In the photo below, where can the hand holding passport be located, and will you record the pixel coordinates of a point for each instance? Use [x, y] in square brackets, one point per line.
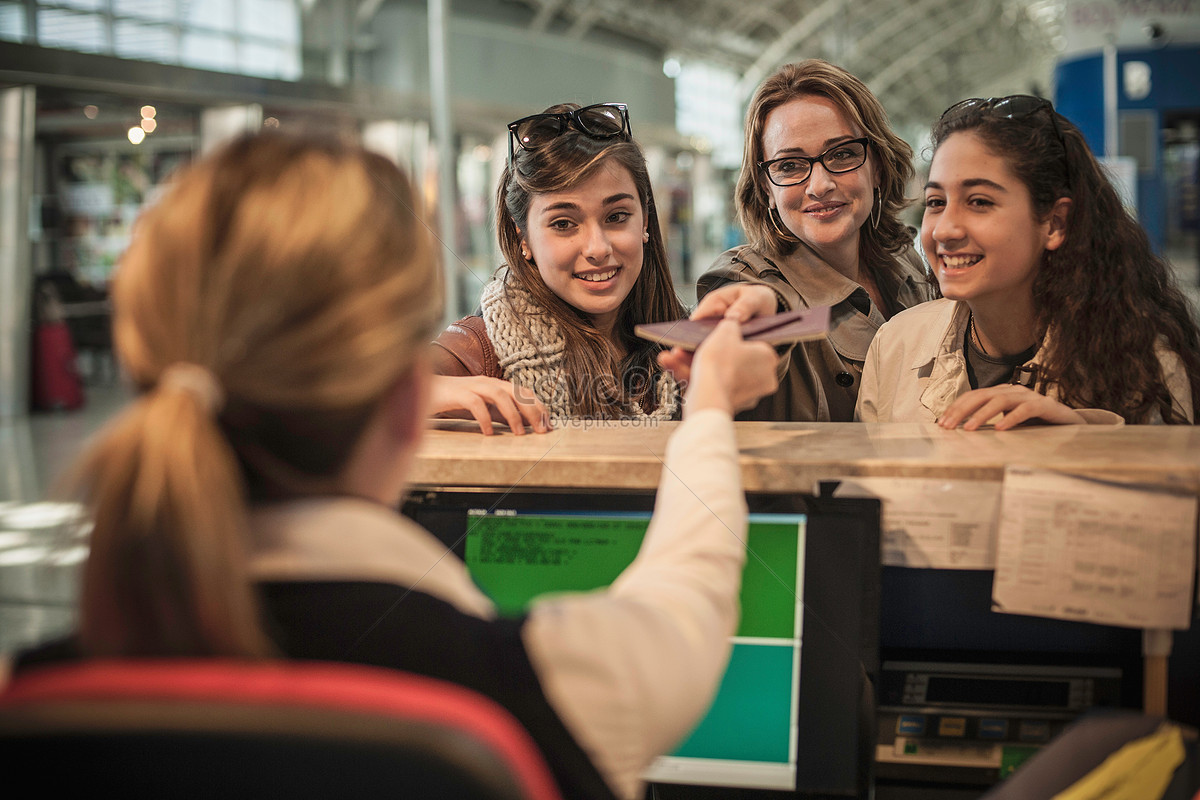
[776, 329]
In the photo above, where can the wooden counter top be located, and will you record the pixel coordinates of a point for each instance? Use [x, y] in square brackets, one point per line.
[793, 456]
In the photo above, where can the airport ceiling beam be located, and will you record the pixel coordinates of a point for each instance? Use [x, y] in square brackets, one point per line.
[740, 17]
[909, 66]
[584, 20]
[544, 15]
[892, 25]
[778, 50]
[366, 12]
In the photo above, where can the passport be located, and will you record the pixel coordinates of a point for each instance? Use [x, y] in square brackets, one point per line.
[777, 329]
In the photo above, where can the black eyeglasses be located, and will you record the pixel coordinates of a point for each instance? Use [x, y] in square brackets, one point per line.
[845, 156]
[599, 121]
[1015, 106]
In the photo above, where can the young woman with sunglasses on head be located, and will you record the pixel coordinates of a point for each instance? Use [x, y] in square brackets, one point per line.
[1055, 306]
[585, 263]
[823, 179]
[275, 310]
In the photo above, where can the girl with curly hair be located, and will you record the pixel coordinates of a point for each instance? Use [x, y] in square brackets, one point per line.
[1055, 307]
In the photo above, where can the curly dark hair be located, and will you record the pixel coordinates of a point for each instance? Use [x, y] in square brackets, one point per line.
[1104, 300]
[565, 162]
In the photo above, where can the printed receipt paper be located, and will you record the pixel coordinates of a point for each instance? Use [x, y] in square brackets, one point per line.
[1077, 548]
[944, 524]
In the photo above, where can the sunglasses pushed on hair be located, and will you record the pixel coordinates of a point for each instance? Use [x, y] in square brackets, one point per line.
[600, 121]
[1015, 106]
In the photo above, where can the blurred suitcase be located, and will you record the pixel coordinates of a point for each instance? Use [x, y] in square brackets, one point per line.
[56, 381]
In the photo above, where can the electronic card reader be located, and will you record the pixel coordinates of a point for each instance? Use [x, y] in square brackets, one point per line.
[975, 723]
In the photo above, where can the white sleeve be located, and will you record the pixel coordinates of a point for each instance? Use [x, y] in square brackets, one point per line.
[1099, 416]
[631, 669]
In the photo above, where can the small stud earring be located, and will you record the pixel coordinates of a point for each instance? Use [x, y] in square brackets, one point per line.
[524, 254]
[645, 236]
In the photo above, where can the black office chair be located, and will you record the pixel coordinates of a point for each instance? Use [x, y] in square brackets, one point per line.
[214, 728]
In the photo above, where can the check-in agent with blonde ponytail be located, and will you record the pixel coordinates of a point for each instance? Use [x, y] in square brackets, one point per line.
[274, 312]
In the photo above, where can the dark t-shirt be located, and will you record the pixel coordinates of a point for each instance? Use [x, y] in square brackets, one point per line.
[985, 370]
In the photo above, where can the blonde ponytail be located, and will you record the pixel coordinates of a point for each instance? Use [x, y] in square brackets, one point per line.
[265, 307]
[167, 571]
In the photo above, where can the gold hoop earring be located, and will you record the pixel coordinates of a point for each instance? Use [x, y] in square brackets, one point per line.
[876, 209]
[780, 229]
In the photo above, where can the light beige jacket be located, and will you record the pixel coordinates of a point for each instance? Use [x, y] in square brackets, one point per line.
[915, 369]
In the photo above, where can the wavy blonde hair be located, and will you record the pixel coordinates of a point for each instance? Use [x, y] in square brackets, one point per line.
[298, 274]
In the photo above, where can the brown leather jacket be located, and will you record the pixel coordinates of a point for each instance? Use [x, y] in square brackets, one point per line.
[465, 349]
[821, 378]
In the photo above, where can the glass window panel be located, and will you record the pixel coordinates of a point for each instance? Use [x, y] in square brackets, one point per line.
[72, 31]
[264, 60]
[270, 19]
[83, 5]
[12, 22]
[706, 106]
[289, 64]
[162, 10]
[208, 51]
[145, 42]
[217, 15]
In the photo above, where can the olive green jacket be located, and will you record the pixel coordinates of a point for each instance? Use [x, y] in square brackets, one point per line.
[821, 378]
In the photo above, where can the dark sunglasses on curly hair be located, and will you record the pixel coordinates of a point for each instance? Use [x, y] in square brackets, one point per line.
[599, 121]
[1015, 106]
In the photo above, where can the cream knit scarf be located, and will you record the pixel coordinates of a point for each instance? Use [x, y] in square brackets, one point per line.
[529, 346]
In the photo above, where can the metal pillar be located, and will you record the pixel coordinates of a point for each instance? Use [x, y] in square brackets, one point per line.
[1111, 127]
[18, 105]
[443, 134]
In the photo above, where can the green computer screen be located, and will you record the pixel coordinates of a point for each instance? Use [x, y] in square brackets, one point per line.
[748, 737]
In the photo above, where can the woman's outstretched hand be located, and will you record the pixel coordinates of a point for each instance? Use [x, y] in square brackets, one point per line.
[737, 301]
[1017, 403]
[726, 372]
[488, 400]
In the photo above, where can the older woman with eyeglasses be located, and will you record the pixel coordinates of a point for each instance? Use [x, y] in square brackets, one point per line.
[823, 179]
[1055, 308]
[585, 263]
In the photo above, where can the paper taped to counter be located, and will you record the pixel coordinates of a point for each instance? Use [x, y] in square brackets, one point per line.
[1078, 548]
[945, 524]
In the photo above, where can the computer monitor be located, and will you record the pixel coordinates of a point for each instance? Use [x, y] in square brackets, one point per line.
[795, 709]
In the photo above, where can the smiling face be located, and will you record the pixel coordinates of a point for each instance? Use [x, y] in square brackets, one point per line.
[827, 210]
[980, 231]
[587, 242]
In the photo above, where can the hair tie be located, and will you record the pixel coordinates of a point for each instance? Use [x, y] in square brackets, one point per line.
[197, 381]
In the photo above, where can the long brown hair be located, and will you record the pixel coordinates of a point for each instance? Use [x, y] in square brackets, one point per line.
[890, 154]
[1104, 298]
[298, 275]
[601, 387]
